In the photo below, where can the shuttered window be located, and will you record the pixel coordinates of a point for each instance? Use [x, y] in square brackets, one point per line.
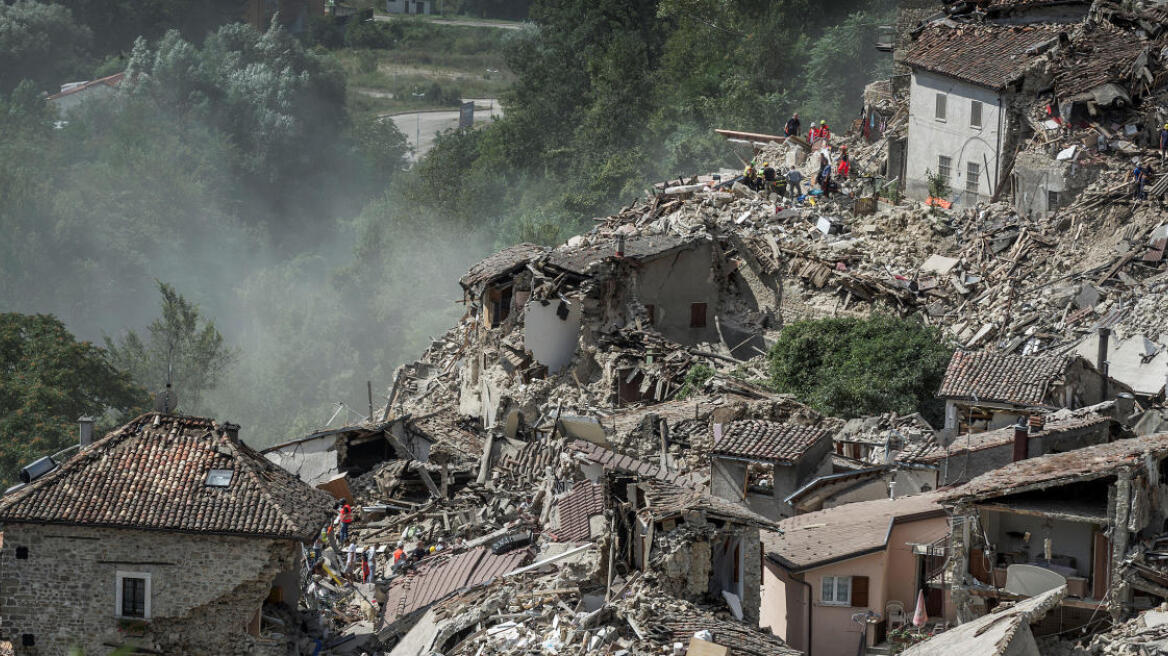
[697, 315]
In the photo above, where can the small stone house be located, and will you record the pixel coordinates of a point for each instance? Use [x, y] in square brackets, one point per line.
[758, 464]
[169, 532]
[984, 391]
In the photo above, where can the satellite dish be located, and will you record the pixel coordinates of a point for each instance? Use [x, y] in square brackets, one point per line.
[166, 400]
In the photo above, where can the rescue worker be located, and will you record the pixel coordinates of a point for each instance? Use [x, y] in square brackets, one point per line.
[346, 517]
[768, 175]
[795, 182]
[793, 124]
[823, 179]
[399, 554]
[824, 131]
[1140, 175]
[813, 133]
[1163, 141]
[845, 166]
[750, 176]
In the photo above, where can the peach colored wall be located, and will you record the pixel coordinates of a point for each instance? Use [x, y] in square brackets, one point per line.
[891, 575]
[902, 564]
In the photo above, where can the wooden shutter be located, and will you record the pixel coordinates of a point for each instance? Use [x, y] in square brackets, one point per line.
[859, 590]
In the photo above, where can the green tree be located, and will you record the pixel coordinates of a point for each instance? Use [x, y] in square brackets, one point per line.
[180, 346]
[41, 43]
[856, 367]
[50, 380]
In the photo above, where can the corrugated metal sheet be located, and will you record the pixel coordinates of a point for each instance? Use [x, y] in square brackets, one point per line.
[440, 576]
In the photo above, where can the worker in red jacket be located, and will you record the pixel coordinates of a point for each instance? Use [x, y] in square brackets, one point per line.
[845, 165]
[824, 131]
[346, 517]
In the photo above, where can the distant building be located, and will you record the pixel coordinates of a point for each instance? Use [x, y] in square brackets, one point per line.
[410, 6]
[74, 93]
[293, 14]
[169, 532]
[757, 464]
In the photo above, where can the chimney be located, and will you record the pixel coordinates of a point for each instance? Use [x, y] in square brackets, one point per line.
[620, 245]
[1021, 440]
[1125, 405]
[232, 430]
[1101, 356]
[86, 430]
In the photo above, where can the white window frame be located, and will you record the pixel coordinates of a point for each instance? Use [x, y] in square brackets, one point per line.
[118, 578]
[980, 107]
[972, 182]
[941, 107]
[947, 172]
[835, 581]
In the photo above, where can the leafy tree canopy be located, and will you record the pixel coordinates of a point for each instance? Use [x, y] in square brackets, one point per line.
[181, 346]
[48, 381]
[41, 43]
[856, 367]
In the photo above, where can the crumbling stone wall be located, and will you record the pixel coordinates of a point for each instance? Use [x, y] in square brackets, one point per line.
[203, 589]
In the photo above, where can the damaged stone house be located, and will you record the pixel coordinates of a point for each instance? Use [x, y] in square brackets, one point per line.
[757, 464]
[1092, 519]
[696, 546]
[824, 567]
[984, 391]
[972, 454]
[169, 533]
[889, 481]
[1008, 630]
[965, 80]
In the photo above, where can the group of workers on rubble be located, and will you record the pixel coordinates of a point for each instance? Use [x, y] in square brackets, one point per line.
[789, 184]
[361, 564]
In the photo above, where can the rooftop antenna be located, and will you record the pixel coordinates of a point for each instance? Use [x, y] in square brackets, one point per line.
[166, 401]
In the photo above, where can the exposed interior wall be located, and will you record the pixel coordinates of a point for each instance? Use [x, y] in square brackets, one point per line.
[313, 461]
[1086, 384]
[672, 283]
[552, 333]
[954, 137]
[1067, 538]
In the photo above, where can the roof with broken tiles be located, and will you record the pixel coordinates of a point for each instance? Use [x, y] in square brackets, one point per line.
[501, 263]
[929, 452]
[441, 575]
[665, 500]
[1076, 466]
[985, 377]
[580, 259]
[768, 440]
[826, 536]
[985, 55]
[576, 508]
[1105, 54]
[153, 474]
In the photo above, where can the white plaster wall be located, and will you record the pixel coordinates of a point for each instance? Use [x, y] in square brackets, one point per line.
[929, 138]
[550, 339]
[313, 461]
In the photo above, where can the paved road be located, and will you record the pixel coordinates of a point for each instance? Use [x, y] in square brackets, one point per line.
[421, 127]
[467, 22]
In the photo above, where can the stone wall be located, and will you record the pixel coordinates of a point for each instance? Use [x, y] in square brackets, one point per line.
[203, 589]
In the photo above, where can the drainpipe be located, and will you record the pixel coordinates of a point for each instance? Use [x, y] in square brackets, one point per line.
[998, 154]
[809, 607]
[1101, 359]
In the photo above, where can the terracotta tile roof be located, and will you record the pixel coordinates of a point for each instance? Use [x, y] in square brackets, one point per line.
[999, 378]
[77, 87]
[665, 500]
[445, 429]
[638, 247]
[151, 474]
[503, 262]
[988, 56]
[768, 440]
[531, 460]
[439, 576]
[931, 453]
[1107, 54]
[576, 508]
[1076, 466]
[826, 536]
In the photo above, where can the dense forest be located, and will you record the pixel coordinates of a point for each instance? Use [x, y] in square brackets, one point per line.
[226, 192]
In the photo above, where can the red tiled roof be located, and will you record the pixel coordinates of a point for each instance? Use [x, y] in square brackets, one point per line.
[1000, 378]
[1076, 466]
[988, 56]
[576, 508]
[151, 474]
[1106, 54]
[531, 460]
[440, 576]
[665, 500]
[768, 440]
[741, 639]
[825, 536]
